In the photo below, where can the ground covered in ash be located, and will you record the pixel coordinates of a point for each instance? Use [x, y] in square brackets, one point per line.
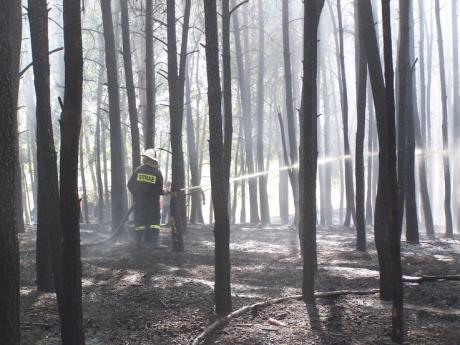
[155, 296]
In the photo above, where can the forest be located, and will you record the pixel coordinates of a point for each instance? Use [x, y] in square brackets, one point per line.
[229, 172]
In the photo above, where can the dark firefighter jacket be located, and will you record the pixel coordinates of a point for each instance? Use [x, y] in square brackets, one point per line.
[146, 185]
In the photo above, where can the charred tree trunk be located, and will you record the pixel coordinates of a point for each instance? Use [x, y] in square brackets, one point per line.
[176, 81]
[263, 195]
[387, 223]
[412, 233]
[47, 175]
[118, 195]
[9, 250]
[128, 64]
[149, 120]
[361, 67]
[445, 139]
[218, 150]
[71, 305]
[308, 147]
[15, 40]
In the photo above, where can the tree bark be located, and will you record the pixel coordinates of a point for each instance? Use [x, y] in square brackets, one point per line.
[71, 306]
[293, 147]
[15, 41]
[263, 195]
[387, 223]
[118, 190]
[412, 233]
[9, 250]
[445, 138]
[308, 147]
[100, 187]
[128, 64]
[218, 150]
[456, 110]
[150, 111]
[361, 67]
[176, 100]
[196, 215]
[47, 175]
[245, 95]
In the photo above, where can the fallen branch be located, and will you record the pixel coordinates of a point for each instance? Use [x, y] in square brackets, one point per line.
[424, 279]
[223, 320]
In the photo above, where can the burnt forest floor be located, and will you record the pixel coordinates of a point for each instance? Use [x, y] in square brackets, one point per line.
[155, 296]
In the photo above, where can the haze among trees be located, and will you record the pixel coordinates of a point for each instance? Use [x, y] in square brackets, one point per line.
[311, 148]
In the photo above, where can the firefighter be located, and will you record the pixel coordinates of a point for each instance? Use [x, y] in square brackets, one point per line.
[146, 185]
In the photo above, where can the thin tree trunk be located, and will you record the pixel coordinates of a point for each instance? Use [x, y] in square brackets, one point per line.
[456, 111]
[308, 147]
[370, 156]
[47, 191]
[219, 148]
[263, 195]
[176, 81]
[71, 306]
[100, 186]
[196, 209]
[387, 225]
[349, 189]
[118, 190]
[84, 199]
[412, 233]
[291, 123]
[245, 95]
[361, 67]
[150, 111]
[133, 116]
[445, 139]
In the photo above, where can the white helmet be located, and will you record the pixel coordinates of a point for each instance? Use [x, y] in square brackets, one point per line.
[150, 154]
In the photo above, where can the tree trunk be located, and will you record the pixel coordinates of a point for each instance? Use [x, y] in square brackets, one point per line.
[456, 110]
[293, 147]
[308, 147]
[387, 225]
[84, 197]
[71, 306]
[133, 116]
[15, 40]
[349, 190]
[196, 209]
[47, 175]
[100, 186]
[245, 95]
[361, 67]
[9, 250]
[263, 195]
[218, 149]
[150, 111]
[412, 233]
[370, 157]
[176, 81]
[118, 191]
[445, 139]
